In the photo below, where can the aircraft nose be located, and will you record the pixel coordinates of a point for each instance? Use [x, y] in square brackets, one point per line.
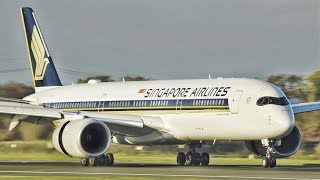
[286, 123]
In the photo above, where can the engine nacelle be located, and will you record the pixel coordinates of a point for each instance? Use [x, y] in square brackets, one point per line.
[82, 138]
[286, 146]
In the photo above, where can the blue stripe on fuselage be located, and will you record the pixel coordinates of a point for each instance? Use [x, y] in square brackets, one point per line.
[143, 104]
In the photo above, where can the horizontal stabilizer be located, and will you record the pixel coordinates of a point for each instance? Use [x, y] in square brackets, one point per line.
[305, 107]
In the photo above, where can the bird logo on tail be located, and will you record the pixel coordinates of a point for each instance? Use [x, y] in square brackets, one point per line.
[39, 55]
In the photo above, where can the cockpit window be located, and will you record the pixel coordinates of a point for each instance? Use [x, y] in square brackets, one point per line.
[282, 101]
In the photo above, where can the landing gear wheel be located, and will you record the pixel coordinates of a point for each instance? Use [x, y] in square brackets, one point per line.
[100, 160]
[189, 159]
[84, 162]
[93, 161]
[193, 159]
[265, 162]
[181, 158]
[205, 159]
[196, 159]
[109, 159]
[272, 162]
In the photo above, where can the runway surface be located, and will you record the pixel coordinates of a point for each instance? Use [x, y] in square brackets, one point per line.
[45, 168]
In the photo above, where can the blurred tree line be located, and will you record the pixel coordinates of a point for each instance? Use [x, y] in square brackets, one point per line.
[306, 89]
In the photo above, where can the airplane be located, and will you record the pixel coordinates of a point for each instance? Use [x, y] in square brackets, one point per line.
[89, 117]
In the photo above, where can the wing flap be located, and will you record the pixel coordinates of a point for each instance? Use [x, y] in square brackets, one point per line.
[305, 107]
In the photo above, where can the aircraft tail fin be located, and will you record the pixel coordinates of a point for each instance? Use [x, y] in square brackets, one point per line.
[44, 73]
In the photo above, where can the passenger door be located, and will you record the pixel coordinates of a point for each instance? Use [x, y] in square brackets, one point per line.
[234, 106]
[101, 106]
[179, 105]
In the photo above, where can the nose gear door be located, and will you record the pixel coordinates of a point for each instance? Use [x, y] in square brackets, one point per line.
[234, 106]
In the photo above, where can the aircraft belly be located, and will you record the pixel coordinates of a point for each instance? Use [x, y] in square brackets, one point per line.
[215, 126]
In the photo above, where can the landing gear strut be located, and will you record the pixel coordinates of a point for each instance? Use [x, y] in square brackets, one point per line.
[102, 160]
[192, 157]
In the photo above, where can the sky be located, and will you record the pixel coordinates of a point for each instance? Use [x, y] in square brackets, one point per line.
[167, 39]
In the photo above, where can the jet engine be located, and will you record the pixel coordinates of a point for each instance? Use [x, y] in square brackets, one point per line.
[82, 138]
[283, 147]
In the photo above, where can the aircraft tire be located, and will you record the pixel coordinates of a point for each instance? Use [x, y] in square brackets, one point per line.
[109, 159]
[84, 162]
[93, 161]
[205, 159]
[196, 159]
[189, 159]
[265, 162]
[272, 162]
[181, 158]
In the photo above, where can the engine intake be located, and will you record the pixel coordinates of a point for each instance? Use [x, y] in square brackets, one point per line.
[290, 144]
[82, 138]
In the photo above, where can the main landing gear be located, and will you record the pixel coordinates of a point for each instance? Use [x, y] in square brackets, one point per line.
[269, 160]
[102, 160]
[192, 157]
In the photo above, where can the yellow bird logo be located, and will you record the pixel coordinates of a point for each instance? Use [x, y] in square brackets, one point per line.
[38, 50]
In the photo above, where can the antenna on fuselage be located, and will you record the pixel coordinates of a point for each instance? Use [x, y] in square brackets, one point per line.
[209, 76]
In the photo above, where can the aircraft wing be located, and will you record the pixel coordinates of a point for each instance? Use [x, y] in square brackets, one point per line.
[117, 119]
[19, 108]
[305, 107]
[3, 99]
[22, 112]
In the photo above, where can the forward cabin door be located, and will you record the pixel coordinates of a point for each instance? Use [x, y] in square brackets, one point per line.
[234, 106]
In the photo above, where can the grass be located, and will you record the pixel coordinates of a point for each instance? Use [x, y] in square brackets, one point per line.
[42, 151]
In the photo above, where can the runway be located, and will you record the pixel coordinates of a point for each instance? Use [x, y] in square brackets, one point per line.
[45, 168]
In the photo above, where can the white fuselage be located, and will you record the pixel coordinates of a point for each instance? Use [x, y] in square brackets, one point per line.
[205, 109]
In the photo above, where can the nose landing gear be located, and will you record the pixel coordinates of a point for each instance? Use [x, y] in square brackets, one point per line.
[192, 157]
[269, 160]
